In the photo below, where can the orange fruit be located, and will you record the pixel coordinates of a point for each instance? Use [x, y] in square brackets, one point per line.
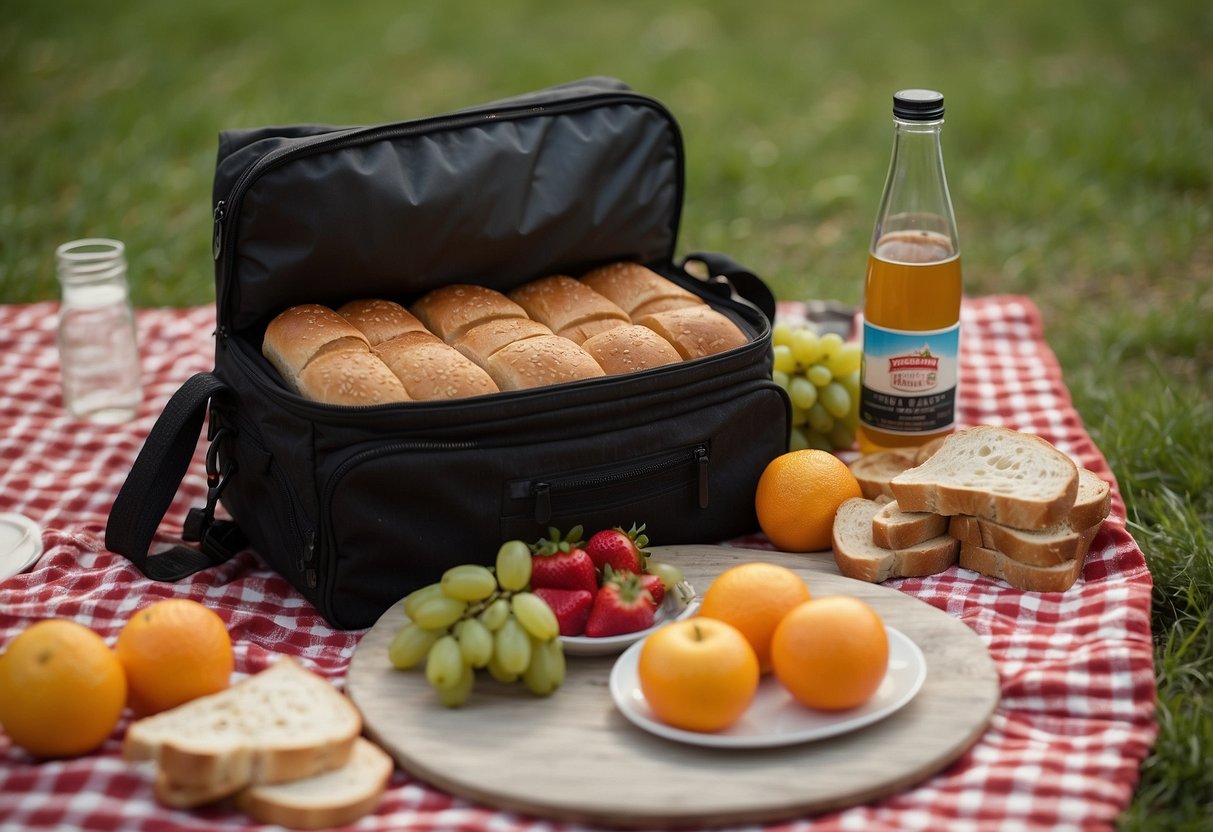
[798, 495]
[173, 651]
[61, 689]
[698, 674]
[753, 597]
[831, 653]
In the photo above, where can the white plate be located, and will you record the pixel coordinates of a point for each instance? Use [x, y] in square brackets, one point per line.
[673, 607]
[774, 718]
[20, 544]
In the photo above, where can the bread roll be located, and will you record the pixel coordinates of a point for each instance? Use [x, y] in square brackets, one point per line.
[695, 331]
[481, 341]
[298, 335]
[352, 378]
[540, 361]
[638, 290]
[430, 369]
[630, 348]
[380, 320]
[568, 307]
[450, 311]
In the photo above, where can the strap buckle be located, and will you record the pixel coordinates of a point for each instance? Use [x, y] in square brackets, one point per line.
[198, 521]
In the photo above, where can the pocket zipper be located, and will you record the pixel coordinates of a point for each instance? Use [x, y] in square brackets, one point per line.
[542, 490]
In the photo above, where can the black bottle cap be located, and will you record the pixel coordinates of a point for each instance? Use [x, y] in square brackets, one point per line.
[918, 105]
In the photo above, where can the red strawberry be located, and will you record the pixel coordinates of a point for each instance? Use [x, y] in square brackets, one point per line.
[623, 605]
[572, 607]
[622, 551]
[655, 587]
[560, 563]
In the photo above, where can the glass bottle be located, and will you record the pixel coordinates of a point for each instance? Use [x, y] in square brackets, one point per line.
[98, 351]
[911, 330]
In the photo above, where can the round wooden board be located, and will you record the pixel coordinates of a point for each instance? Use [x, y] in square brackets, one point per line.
[573, 756]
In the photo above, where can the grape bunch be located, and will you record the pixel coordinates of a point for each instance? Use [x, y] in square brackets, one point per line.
[479, 618]
[821, 375]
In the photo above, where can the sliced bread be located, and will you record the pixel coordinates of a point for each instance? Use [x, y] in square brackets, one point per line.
[859, 557]
[893, 528]
[1057, 578]
[927, 449]
[334, 798]
[1013, 478]
[874, 470]
[281, 724]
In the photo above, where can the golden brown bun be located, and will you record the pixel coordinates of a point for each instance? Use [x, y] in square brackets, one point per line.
[664, 305]
[450, 311]
[568, 307]
[481, 341]
[630, 286]
[380, 320]
[351, 378]
[300, 334]
[540, 361]
[627, 349]
[695, 331]
[430, 369]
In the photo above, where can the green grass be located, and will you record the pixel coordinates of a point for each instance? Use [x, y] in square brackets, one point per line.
[1079, 147]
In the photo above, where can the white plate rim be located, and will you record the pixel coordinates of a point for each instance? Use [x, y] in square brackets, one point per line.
[671, 609]
[907, 680]
[26, 551]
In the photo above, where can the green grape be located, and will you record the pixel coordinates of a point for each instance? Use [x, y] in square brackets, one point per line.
[836, 400]
[819, 374]
[851, 382]
[440, 612]
[797, 441]
[831, 343]
[410, 645]
[513, 566]
[417, 596]
[458, 693]
[806, 347]
[445, 664]
[842, 435]
[545, 673]
[535, 616]
[499, 673]
[802, 392]
[781, 378]
[820, 420]
[669, 574]
[781, 333]
[495, 614]
[784, 362]
[512, 647]
[475, 641]
[846, 360]
[799, 416]
[819, 441]
[469, 582]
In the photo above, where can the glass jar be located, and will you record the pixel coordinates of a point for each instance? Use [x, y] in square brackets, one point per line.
[98, 350]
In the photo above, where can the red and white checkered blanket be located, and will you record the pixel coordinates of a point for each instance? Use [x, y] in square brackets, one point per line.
[1075, 721]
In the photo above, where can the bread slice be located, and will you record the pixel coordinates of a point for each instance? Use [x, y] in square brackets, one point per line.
[1057, 578]
[335, 798]
[874, 470]
[281, 724]
[927, 449]
[859, 557]
[1093, 501]
[1013, 478]
[893, 528]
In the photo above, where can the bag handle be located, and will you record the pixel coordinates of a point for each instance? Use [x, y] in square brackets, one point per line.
[736, 277]
[152, 483]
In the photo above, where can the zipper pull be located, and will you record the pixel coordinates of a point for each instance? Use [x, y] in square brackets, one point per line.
[543, 502]
[305, 560]
[217, 239]
[701, 459]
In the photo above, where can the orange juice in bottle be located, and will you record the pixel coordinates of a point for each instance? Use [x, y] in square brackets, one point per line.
[911, 332]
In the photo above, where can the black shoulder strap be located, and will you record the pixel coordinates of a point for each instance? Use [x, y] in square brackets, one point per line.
[152, 484]
[741, 280]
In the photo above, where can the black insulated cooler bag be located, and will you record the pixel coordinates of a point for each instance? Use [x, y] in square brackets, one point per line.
[357, 506]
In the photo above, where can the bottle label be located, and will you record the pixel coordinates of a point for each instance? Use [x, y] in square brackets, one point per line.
[909, 379]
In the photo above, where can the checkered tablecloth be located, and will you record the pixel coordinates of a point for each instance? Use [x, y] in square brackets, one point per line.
[1075, 720]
